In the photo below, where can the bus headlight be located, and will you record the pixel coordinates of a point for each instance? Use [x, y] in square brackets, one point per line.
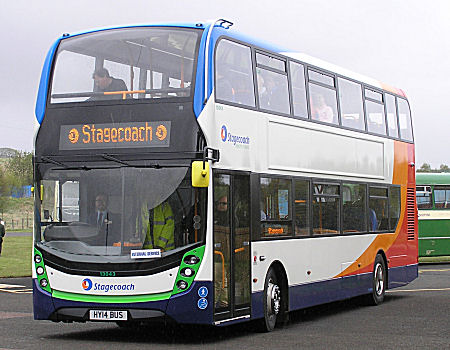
[187, 272]
[40, 270]
[191, 260]
[182, 284]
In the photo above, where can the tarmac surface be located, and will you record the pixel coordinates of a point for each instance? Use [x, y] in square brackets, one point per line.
[416, 316]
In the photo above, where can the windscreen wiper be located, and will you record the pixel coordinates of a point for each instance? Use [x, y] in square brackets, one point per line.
[53, 161]
[114, 159]
[65, 166]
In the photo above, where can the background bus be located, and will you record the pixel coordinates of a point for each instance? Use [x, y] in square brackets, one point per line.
[273, 181]
[433, 204]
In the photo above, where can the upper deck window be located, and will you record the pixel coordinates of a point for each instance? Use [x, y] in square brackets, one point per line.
[322, 97]
[271, 62]
[132, 63]
[404, 117]
[376, 120]
[298, 90]
[273, 91]
[391, 111]
[234, 74]
[321, 78]
[350, 97]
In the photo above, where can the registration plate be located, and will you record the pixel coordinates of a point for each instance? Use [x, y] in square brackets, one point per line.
[107, 315]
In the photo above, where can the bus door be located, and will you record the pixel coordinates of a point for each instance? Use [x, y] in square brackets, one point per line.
[231, 246]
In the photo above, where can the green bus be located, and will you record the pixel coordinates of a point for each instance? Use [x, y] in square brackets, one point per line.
[433, 205]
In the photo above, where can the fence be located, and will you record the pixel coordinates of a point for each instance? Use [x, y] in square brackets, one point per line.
[22, 221]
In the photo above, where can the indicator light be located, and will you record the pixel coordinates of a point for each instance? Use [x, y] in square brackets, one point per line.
[40, 270]
[44, 283]
[182, 284]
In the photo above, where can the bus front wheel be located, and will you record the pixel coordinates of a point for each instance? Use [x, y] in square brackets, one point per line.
[379, 281]
[272, 300]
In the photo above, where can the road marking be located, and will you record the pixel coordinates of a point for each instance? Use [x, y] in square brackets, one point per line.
[418, 290]
[11, 286]
[17, 291]
[5, 315]
[15, 288]
[443, 270]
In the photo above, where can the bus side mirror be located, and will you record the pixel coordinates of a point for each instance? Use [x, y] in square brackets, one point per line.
[200, 174]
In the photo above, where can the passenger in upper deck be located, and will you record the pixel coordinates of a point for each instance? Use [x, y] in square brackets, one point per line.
[320, 110]
[103, 82]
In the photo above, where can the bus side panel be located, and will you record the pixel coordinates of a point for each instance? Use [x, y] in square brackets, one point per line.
[189, 307]
[316, 293]
[434, 239]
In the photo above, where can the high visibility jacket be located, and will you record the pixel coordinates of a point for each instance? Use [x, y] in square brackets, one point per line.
[160, 228]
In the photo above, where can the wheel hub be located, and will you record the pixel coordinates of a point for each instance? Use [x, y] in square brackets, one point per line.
[379, 280]
[274, 296]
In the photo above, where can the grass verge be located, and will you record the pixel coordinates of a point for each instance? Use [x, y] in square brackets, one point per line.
[434, 260]
[15, 260]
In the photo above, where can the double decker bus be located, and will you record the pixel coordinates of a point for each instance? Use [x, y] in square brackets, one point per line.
[271, 180]
[433, 207]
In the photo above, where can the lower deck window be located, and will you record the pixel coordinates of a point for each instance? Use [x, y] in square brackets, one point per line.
[325, 209]
[276, 219]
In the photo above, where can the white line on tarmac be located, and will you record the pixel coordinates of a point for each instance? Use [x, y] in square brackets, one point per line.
[11, 286]
[17, 291]
[418, 290]
[443, 270]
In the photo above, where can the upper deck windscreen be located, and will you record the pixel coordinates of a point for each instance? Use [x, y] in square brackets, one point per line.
[128, 63]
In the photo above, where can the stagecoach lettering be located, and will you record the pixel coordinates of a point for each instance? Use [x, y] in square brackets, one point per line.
[115, 135]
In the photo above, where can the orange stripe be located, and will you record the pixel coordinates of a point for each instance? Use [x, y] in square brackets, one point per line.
[385, 241]
[392, 89]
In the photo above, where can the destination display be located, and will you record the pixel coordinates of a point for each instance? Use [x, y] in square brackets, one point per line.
[115, 135]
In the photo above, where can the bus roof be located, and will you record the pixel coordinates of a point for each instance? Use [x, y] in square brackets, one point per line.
[432, 178]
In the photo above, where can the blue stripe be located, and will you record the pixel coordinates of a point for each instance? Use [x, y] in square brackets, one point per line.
[43, 84]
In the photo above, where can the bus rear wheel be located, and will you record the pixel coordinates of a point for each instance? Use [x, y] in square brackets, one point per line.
[272, 300]
[379, 281]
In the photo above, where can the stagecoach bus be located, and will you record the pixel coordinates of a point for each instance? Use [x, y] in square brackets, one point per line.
[434, 213]
[240, 180]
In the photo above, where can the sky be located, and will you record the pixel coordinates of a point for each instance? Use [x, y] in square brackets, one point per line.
[403, 43]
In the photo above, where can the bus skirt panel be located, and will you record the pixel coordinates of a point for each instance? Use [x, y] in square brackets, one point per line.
[316, 293]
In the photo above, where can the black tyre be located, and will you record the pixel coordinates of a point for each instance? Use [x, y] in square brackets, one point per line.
[273, 303]
[379, 281]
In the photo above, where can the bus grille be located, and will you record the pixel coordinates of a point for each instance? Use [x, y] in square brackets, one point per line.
[410, 213]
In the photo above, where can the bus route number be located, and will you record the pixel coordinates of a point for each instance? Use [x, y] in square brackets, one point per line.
[107, 274]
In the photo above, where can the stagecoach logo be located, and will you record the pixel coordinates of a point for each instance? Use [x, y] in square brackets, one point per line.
[86, 284]
[115, 135]
[237, 141]
[223, 133]
[74, 135]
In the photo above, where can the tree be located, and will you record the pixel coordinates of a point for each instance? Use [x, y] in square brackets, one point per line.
[425, 168]
[20, 167]
[5, 189]
[444, 168]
